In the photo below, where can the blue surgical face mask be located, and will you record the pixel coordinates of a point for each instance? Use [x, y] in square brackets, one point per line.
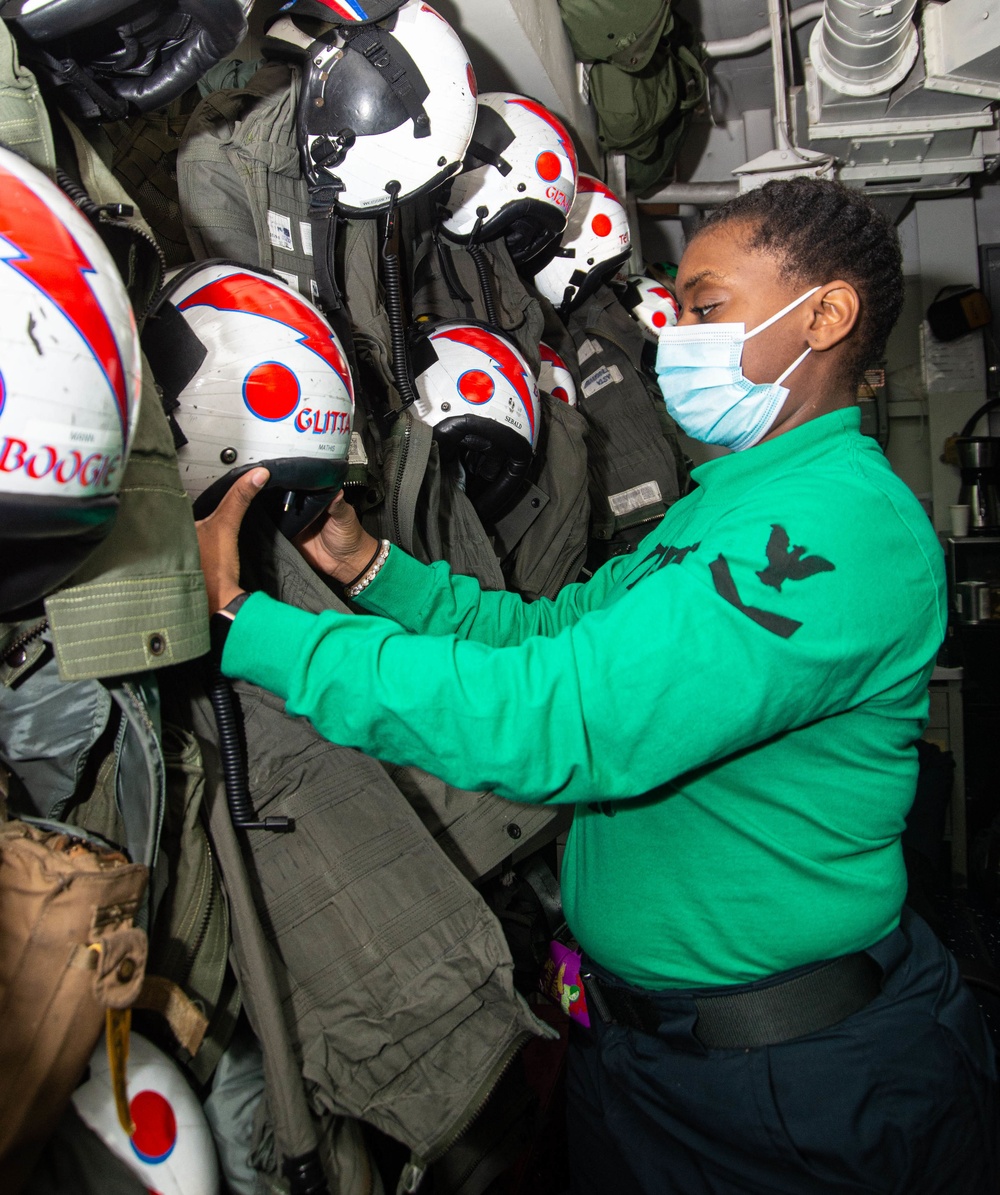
[699, 370]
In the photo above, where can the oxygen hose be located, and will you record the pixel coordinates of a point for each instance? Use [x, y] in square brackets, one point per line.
[234, 770]
[392, 282]
[485, 285]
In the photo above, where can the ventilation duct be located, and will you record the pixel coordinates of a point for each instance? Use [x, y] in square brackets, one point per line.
[861, 47]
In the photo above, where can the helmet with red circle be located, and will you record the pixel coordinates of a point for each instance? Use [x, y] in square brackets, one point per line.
[171, 1151]
[651, 304]
[107, 59]
[596, 242]
[478, 393]
[252, 374]
[69, 385]
[554, 376]
[386, 110]
[519, 178]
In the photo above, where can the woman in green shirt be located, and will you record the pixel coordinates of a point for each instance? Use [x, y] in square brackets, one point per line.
[733, 711]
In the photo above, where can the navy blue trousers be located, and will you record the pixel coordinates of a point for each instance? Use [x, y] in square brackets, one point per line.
[901, 1097]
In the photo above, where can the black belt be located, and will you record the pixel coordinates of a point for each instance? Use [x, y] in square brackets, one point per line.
[764, 1015]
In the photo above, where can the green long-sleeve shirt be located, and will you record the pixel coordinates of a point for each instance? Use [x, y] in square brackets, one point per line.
[733, 707]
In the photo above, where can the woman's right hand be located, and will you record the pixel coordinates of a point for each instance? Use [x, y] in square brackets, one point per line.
[336, 544]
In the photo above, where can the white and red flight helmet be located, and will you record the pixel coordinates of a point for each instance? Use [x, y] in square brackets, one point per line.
[252, 374]
[386, 109]
[478, 393]
[519, 178]
[70, 375]
[171, 1151]
[651, 304]
[554, 376]
[594, 245]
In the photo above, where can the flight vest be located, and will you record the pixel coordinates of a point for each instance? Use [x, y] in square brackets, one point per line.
[635, 462]
[399, 999]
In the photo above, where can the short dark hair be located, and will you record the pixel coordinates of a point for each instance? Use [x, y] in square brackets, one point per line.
[820, 231]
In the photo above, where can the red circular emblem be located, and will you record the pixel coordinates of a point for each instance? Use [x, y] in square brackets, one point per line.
[548, 166]
[659, 319]
[155, 1126]
[601, 224]
[271, 391]
[476, 386]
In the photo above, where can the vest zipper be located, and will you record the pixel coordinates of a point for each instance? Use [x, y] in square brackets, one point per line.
[418, 1165]
[398, 485]
[26, 637]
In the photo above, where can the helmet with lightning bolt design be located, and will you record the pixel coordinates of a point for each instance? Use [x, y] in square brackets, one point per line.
[519, 178]
[69, 385]
[252, 374]
[480, 396]
[594, 245]
[651, 304]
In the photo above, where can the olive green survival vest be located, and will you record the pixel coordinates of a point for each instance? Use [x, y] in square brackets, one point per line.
[636, 466]
[397, 977]
[542, 541]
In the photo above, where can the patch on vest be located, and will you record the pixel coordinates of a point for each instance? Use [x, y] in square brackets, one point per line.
[356, 454]
[279, 229]
[605, 376]
[635, 498]
[306, 233]
[587, 350]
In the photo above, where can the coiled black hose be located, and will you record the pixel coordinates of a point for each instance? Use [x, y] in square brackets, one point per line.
[234, 770]
[485, 285]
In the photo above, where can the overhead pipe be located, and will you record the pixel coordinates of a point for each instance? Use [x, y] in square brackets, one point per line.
[864, 48]
[735, 47]
[695, 194]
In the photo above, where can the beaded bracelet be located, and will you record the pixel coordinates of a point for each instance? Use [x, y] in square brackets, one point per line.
[370, 571]
[357, 576]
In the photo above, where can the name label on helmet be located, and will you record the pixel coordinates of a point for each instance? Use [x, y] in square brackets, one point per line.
[86, 470]
[558, 197]
[323, 423]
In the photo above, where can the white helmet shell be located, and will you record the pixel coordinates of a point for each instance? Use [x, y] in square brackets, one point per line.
[474, 371]
[651, 304]
[70, 376]
[364, 139]
[554, 376]
[257, 375]
[594, 245]
[479, 395]
[70, 372]
[171, 1151]
[519, 178]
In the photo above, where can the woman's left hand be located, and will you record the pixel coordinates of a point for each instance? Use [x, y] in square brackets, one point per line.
[218, 539]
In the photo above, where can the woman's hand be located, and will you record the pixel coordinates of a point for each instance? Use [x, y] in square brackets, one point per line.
[336, 544]
[218, 539]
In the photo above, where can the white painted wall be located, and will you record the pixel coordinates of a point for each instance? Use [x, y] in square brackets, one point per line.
[521, 45]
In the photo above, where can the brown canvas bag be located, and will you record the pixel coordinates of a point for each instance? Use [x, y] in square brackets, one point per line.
[68, 952]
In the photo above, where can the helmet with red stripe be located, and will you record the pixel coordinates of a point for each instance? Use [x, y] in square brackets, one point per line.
[69, 385]
[480, 396]
[651, 304]
[519, 178]
[554, 376]
[252, 374]
[385, 109]
[342, 12]
[596, 242]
